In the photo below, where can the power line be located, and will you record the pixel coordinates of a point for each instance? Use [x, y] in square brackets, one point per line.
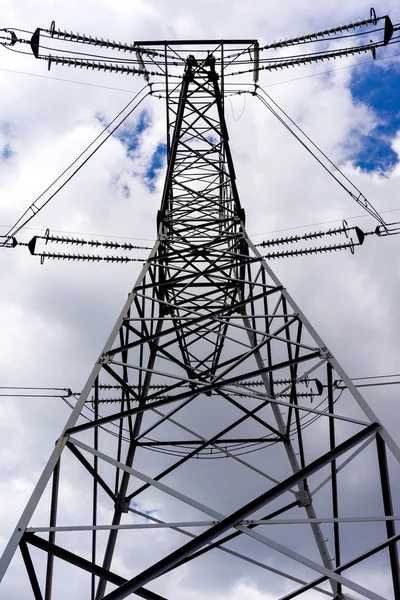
[33, 208]
[105, 87]
[322, 223]
[121, 237]
[364, 62]
[355, 193]
[357, 64]
[70, 393]
[117, 237]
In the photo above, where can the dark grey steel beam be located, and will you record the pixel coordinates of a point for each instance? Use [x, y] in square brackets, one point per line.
[197, 450]
[90, 470]
[30, 570]
[217, 313]
[232, 536]
[218, 441]
[52, 534]
[343, 567]
[238, 41]
[84, 564]
[95, 487]
[335, 498]
[120, 504]
[208, 536]
[183, 395]
[388, 508]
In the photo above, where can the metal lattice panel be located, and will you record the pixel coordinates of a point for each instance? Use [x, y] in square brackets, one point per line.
[210, 368]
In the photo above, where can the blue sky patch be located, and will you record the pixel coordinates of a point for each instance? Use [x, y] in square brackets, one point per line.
[129, 135]
[141, 509]
[156, 163]
[101, 119]
[379, 90]
[126, 192]
[6, 152]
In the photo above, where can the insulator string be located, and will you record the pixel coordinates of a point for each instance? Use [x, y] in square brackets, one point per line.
[86, 257]
[94, 243]
[307, 251]
[311, 235]
[312, 59]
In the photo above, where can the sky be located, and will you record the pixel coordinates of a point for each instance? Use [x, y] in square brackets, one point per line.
[55, 317]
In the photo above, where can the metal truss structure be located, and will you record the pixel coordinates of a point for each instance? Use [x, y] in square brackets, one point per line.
[215, 401]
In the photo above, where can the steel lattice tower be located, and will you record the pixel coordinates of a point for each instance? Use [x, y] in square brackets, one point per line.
[210, 357]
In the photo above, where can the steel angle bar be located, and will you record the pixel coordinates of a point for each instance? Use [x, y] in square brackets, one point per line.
[95, 495]
[330, 574]
[214, 442]
[122, 527]
[173, 330]
[201, 213]
[202, 390]
[84, 564]
[207, 333]
[305, 408]
[388, 509]
[268, 337]
[91, 470]
[30, 569]
[174, 146]
[180, 295]
[176, 376]
[162, 354]
[187, 278]
[342, 465]
[145, 478]
[230, 317]
[262, 333]
[322, 520]
[300, 378]
[205, 444]
[122, 487]
[262, 367]
[219, 546]
[56, 453]
[219, 444]
[213, 271]
[178, 495]
[236, 361]
[199, 42]
[391, 444]
[343, 567]
[231, 521]
[164, 417]
[53, 522]
[227, 396]
[126, 387]
[296, 467]
[182, 524]
[337, 451]
[334, 486]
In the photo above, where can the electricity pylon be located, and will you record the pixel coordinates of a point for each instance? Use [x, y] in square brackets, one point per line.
[211, 359]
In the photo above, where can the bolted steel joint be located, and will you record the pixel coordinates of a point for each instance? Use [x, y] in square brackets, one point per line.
[303, 498]
[105, 359]
[325, 353]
